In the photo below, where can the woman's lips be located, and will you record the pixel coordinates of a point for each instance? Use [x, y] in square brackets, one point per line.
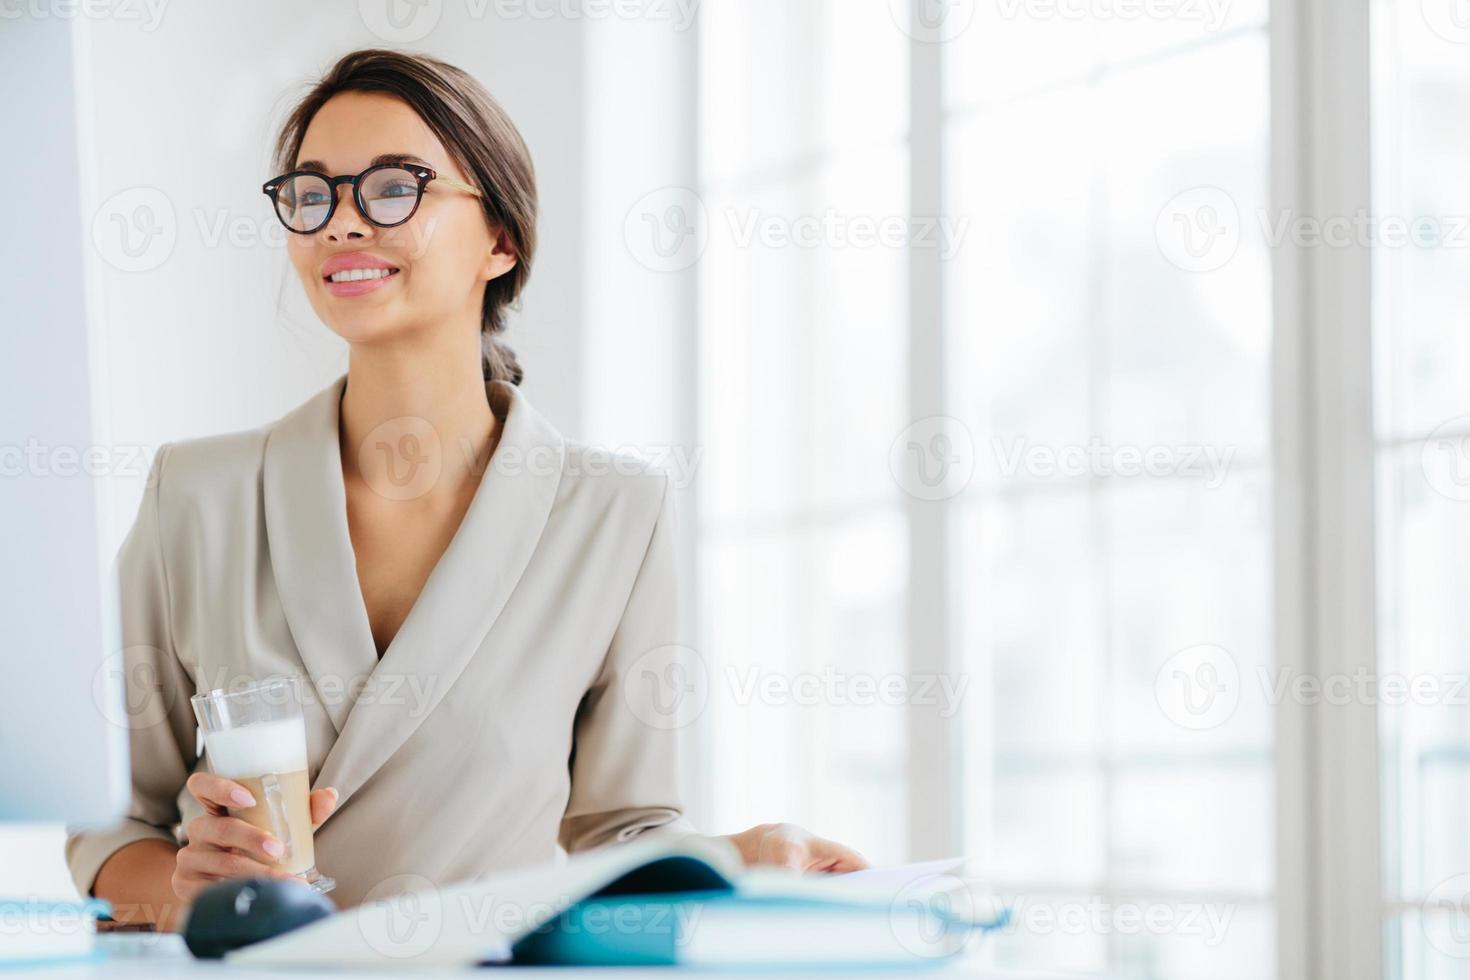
[359, 287]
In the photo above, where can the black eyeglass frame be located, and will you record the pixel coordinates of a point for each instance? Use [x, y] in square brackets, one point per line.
[423, 175]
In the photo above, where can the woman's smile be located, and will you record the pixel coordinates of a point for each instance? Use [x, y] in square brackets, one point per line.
[356, 273]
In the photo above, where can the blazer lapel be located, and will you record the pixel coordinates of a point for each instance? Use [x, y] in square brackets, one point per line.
[463, 595]
[311, 551]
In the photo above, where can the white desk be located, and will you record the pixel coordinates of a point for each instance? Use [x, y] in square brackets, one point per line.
[145, 957]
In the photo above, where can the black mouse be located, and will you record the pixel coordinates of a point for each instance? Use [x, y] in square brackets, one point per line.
[241, 911]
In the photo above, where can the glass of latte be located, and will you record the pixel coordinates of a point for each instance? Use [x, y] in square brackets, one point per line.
[256, 736]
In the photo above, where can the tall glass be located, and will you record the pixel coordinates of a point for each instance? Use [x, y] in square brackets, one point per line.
[256, 736]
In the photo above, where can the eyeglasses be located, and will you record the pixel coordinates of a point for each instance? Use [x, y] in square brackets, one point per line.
[386, 195]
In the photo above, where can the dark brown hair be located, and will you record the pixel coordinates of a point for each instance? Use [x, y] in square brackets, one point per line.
[481, 139]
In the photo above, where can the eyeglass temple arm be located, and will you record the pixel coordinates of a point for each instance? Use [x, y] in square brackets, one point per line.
[461, 185]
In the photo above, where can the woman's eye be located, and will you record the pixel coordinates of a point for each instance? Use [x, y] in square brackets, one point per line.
[311, 198]
[400, 188]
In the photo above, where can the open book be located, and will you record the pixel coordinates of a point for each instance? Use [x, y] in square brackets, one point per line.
[689, 901]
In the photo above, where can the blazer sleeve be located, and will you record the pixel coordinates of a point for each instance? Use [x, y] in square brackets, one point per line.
[157, 713]
[628, 736]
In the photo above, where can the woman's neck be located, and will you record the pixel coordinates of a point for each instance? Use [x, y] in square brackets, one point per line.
[401, 408]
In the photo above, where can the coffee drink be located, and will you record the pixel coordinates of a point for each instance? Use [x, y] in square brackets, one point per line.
[269, 760]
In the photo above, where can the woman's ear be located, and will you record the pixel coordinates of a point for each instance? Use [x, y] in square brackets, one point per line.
[501, 258]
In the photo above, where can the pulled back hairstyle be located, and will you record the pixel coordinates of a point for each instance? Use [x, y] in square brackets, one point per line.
[483, 142]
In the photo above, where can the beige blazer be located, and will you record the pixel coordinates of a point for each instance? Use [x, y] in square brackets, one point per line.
[506, 717]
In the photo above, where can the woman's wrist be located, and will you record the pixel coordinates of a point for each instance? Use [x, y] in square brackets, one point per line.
[137, 881]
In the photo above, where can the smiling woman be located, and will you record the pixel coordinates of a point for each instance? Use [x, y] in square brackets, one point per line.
[404, 525]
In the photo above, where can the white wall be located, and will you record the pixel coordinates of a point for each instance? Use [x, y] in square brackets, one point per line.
[203, 328]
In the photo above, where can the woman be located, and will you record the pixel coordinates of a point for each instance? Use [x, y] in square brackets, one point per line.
[466, 596]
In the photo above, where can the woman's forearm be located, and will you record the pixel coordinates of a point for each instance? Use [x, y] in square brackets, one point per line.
[138, 881]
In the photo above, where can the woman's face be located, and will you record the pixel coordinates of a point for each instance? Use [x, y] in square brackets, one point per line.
[440, 259]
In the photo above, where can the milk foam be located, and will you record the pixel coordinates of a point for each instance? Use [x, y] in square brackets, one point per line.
[253, 750]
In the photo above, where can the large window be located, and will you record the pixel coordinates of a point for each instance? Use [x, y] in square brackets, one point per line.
[1136, 431]
[802, 543]
[1421, 151]
[1109, 331]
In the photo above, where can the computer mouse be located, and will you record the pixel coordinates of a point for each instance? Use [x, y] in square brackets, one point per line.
[241, 911]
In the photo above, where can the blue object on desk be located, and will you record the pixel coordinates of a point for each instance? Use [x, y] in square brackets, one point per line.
[722, 928]
[59, 932]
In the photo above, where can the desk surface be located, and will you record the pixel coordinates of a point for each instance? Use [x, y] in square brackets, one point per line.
[146, 957]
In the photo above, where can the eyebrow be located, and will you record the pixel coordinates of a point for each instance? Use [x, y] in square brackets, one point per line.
[378, 160]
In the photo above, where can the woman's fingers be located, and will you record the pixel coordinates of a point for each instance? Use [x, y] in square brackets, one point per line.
[218, 794]
[828, 855]
[207, 863]
[232, 833]
[786, 845]
[323, 802]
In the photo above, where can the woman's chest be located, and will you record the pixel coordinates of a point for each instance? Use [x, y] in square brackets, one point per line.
[396, 545]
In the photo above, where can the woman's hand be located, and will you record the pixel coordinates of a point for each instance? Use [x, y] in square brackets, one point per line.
[786, 845]
[221, 846]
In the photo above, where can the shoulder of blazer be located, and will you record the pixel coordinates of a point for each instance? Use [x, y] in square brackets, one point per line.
[213, 466]
[598, 475]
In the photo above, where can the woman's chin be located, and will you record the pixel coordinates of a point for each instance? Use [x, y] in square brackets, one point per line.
[362, 330]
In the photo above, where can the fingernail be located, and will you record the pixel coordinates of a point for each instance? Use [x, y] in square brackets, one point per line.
[273, 847]
[241, 797]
